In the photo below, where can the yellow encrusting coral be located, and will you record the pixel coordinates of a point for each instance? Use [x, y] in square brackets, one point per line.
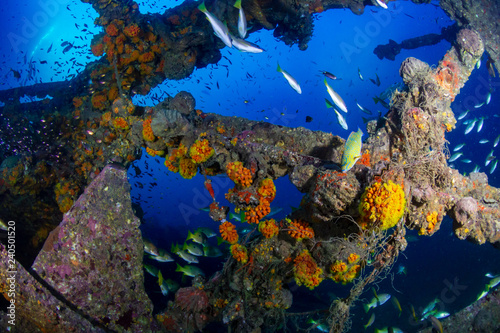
[382, 205]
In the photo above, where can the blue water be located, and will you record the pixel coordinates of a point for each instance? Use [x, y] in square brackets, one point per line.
[249, 86]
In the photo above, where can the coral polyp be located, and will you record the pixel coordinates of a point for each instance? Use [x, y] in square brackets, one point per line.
[382, 205]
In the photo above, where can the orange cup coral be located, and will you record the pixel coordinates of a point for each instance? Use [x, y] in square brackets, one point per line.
[120, 123]
[201, 151]
[239, 252]
[382, 205]
[306, 270]
[268, 228]
[228, 232]
[239, 174]
[187, 168]
[147, 131]
[300, 229]
[267, 189]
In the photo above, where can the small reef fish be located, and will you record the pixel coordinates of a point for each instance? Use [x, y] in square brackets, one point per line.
[459, 146]
[483, 141]
[363, 109]
[339, 102]
[359, 74]
[478, 63]
[220, 29]
[151, 269]
[466, 160]
[291, 81]
[480, 125]
[376, 301]
[482, 294]
[489, 158]
[352, 150]
[370, 321]
[329, 75]
[469, 127]
[462, 115]
[149, 247]
[184, 254]
[207, 231]
[436, 324]
[193, 248]
[377, 99]
[495, 279]
[242, 21]
[397, 305]
[493, 167]
[495, 143]
[388, 330]
[190, 270]
[488, 98]
[340, 118]
[163, 256]
[477, 106]
[476, 168]
[381, 3]
[430, 306]
[245, 46]
[455, 157]
[317, 325]
[197, 237]
[211, 251]
[401, 269]
[168, 286]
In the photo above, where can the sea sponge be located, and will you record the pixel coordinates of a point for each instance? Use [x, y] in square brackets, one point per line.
[306, 270]
[300, 229]
[187, 168]
[147, 131]
[239, 252]
[239, 174]
[382, 205]
[269, 228]
[228, 232]
[201, 151]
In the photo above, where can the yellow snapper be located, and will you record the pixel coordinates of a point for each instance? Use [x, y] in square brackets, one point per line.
[352, 150]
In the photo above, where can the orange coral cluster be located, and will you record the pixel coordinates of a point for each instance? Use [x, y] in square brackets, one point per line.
[153, 152]
[300, 229]
[147, 131]
[254, 215]
[132, 30]
[269, 228]
[187, 168]
[346, 272]
[267, 190]
[239, 252]
[239, 174]
[432, 219]
[201, 151]
[172, 160]
[99, 101]
[120, 123]
[228, 232]
[306, 270]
